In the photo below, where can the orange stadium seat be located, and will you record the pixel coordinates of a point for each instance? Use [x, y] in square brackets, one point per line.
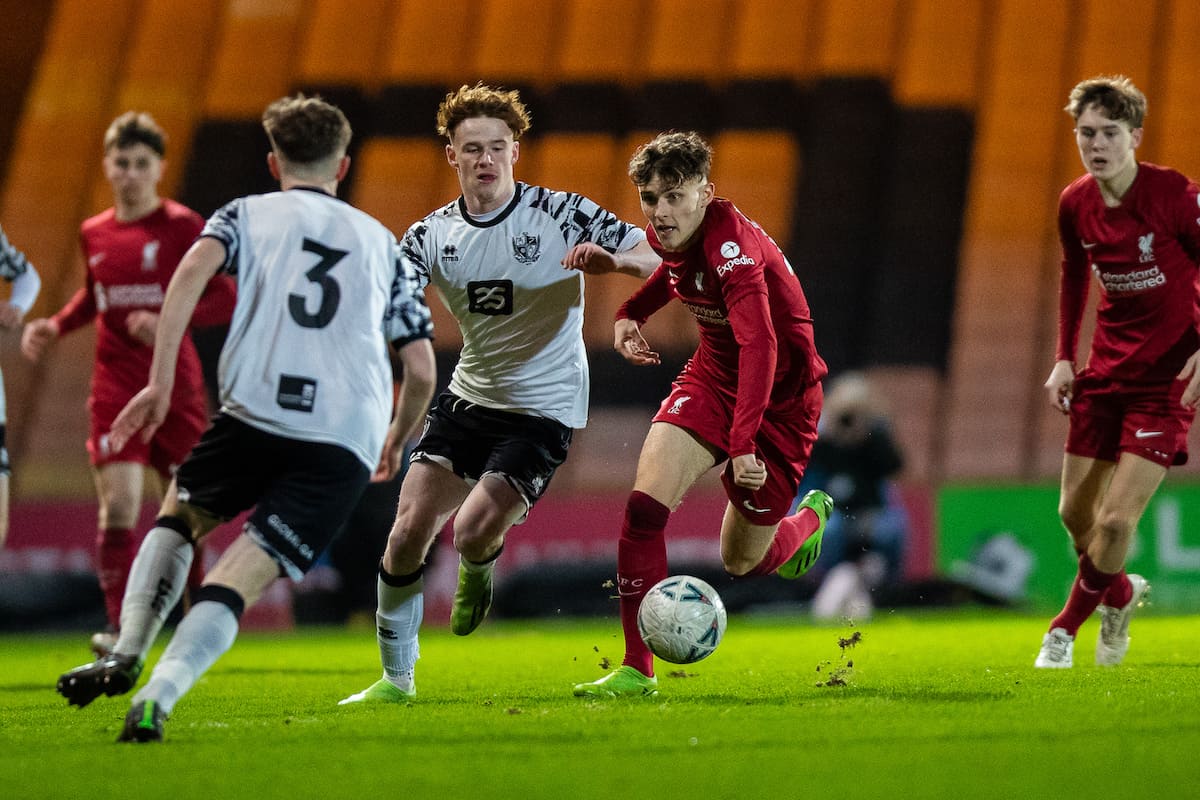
[600, 40]
[426, 42]
[343, 42]
[858, 39]
[681, 44]
[1009, 231]
[773, 39]
[758, 171]
[940, 57]
[254, 56]
[515, 42]
[164, 75]
[400, 181]
[1175, 110]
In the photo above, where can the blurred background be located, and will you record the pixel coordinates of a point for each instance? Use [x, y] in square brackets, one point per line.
[906, 154]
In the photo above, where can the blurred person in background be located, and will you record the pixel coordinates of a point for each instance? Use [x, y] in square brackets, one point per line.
[16, 269]
[130, 253]
[856, 459]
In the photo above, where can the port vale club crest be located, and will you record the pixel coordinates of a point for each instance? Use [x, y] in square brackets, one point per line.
[527, 248]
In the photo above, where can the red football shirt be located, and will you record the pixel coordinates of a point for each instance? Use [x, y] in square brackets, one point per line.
[1144, 254]
[756, 333]
[129, 265]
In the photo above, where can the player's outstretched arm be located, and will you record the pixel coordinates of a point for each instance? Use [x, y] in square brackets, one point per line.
[629, 343]
[416, 391]
[592, 259]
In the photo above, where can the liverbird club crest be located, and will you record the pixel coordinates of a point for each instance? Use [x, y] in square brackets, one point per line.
[527, 248]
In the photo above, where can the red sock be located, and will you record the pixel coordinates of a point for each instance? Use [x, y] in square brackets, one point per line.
[115, 549]
[1120, 592]
[1086, 592]
[641, 563]
[792, 532]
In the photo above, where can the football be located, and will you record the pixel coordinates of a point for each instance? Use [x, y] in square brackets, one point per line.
[681, 619]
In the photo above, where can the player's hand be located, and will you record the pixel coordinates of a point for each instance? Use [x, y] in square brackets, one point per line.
[143, 414]
[590, 259]
[749, 472]
[37, 336]
[1060, 386]
[390, 460]
[629, 343]
[142, 325]
[10, 315]
[1191, 374]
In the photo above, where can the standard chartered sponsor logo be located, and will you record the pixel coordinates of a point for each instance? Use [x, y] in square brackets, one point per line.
[1136, 281]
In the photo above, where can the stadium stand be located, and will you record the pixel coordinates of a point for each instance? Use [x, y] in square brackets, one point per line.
[815, 109]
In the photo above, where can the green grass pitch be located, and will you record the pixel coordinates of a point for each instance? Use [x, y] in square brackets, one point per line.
[937, 705]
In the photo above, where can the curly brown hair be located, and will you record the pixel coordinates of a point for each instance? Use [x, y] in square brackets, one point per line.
[482, 101]
[675, 157]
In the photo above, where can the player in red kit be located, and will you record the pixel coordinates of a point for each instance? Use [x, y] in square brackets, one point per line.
[1135, 226]
[131, 251]
[749, 397]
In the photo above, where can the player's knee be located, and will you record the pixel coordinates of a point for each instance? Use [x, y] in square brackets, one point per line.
[1114, 527]
[226, 596]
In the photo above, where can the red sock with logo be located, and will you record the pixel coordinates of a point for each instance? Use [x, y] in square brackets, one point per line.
[1086, 592]
[641, 563]
[793, 531]
[115, 549]
[1120, 592]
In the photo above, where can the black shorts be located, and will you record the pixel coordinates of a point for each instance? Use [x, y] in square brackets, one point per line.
[472, 441]
[303, 491]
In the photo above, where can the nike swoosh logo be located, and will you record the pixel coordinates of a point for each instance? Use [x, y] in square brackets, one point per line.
[746, 503]
[1088, 245]
[1141, 434]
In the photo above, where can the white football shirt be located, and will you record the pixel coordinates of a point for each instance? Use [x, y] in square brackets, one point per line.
[321, 289]
[520, 311]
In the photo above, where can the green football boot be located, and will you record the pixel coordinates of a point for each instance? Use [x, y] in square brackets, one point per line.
[472, 600]
[807, 553]
[381, 691]
[143, 723]
[624, 681]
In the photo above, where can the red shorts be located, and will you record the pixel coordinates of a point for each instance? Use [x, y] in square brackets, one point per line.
[1111, 417]
[171, 443]
[784, 441]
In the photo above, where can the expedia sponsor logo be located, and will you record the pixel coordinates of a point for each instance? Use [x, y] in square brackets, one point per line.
[729, 265]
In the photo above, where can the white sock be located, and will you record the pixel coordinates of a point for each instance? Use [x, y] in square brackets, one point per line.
[156, 582]
[205, 634]
[398, 619]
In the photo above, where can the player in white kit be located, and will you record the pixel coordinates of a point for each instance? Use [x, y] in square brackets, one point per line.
[306, 398]
[496, 436]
